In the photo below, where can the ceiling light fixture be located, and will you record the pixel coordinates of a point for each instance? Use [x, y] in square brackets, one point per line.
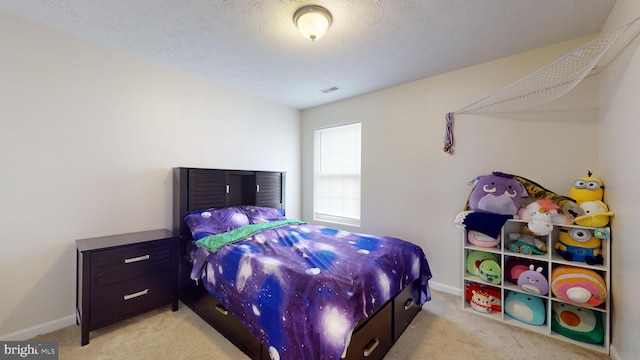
[312, 21]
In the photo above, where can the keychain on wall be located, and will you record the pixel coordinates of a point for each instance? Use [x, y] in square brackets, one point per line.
[448, 136]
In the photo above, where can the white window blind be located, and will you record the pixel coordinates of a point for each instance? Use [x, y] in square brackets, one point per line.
[337, 174]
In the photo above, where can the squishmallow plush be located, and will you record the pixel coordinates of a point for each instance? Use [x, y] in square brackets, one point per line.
[481, 301]
[484, 265]
[526, 308]
[578, 286]
[483, 240]
[471, 288]
[577, 323]
[533, 281]
[497, 193]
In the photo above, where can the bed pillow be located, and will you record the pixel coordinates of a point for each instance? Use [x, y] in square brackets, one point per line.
[207, 222]
[261, 214]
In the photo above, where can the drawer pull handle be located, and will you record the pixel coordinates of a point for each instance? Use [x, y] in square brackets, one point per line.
[372, 346]
[222, 310]
[136, 259]
[136, 294]
[408, 304]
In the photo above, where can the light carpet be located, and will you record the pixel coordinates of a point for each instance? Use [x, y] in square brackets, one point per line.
[441, 331]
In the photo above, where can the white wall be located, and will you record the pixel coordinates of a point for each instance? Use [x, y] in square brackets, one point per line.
[413, 190]
[88, 137]
[619, 149]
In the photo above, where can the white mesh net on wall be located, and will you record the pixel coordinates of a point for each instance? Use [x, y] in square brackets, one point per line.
[548, 83]
[567, 82]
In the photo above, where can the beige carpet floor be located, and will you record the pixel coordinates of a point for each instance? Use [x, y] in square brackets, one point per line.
[441, 331]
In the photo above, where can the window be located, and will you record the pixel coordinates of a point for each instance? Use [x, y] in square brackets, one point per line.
[337, 175]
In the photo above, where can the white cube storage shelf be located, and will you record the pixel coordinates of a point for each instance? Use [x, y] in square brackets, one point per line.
[549, 261]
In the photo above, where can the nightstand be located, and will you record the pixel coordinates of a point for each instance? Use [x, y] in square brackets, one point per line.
[124, 275]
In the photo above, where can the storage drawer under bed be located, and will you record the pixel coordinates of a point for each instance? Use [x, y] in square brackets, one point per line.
[212, 311]
[406, 306]
[373, 339]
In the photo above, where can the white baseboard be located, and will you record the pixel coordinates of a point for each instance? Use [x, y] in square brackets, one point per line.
[445, 288]
[613, 354]
[40, 329]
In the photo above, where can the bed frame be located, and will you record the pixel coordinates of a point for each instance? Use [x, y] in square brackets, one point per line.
[197, 189]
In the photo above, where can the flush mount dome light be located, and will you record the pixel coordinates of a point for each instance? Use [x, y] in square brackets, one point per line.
[312, 21]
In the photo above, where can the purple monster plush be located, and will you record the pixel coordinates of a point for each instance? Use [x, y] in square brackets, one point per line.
[497, 193]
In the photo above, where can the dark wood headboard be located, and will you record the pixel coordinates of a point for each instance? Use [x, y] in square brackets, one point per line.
[197, 189]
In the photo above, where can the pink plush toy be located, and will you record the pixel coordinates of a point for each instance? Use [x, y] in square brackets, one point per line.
[483, 240]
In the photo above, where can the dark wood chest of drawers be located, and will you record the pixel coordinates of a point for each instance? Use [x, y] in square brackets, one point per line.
[124, 275]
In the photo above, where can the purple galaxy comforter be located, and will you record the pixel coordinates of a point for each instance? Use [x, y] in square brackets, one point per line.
[300, 289]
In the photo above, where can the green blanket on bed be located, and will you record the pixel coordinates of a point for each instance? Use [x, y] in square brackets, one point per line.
[213, 243]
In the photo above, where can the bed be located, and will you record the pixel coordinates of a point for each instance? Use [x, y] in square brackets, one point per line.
[281, 288]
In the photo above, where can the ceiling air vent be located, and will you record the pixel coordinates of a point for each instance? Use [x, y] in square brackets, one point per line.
[329, 89]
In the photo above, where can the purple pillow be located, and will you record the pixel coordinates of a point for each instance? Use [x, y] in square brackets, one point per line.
[261, 214]
[207, 222]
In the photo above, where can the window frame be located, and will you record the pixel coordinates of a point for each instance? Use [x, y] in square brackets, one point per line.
[345, 214]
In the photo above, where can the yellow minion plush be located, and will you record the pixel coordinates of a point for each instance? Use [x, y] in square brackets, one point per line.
[587, 189]
[576, 244]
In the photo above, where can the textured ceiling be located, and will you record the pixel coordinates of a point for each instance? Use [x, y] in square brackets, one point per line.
[253, 45]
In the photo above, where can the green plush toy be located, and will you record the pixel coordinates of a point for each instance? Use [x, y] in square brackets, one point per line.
[581, 324]
[484, 265]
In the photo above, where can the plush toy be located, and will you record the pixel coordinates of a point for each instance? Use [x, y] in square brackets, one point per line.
[577, 323]
[497, 193]
[481, 301]
[569, 206]
[539, 220]
[471, 288]
[587, 189]
[576, 244]
[538, 215]
[480, 239]
[484, 265]
[578, 286]
[524, 307]
[489, 271]
[475, 257]
[517, 265]
[596, 214]
[533, 282]
[541, 215]
[526, 244]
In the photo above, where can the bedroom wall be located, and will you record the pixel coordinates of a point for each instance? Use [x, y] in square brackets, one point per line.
[88, 137]
[413, 190]
[619, 149]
